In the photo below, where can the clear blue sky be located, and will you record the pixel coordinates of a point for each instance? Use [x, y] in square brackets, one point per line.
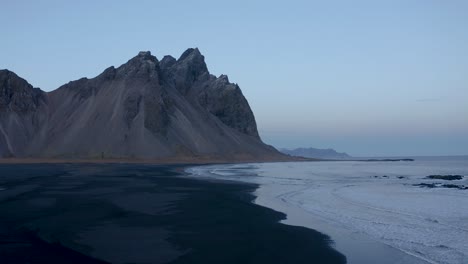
[365, 77]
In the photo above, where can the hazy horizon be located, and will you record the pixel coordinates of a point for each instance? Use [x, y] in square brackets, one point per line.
[368, 78]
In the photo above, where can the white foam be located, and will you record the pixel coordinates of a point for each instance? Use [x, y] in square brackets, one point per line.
[430, 224]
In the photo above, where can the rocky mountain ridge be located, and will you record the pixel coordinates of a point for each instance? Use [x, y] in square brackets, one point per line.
[145, 108]
[316, 153]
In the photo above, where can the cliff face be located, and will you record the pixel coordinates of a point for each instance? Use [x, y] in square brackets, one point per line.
[145, 108]
[23, 113]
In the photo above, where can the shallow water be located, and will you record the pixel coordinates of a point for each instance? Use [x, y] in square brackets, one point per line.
[361, 203]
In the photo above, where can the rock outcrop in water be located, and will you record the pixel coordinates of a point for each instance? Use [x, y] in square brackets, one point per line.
[145, 108]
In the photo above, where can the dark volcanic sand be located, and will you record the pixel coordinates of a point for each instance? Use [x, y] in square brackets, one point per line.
[134, 213]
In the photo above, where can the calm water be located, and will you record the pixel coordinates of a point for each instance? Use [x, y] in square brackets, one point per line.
[372, 210]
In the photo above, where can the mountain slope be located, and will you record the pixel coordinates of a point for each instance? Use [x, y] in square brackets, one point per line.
[145, 108]
[23, 111]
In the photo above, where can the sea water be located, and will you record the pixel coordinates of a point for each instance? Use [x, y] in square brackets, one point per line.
[375, 212]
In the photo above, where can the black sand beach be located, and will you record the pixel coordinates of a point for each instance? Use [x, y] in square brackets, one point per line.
[135, 213]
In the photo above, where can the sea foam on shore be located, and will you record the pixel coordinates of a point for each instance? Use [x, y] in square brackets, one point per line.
[378, 201]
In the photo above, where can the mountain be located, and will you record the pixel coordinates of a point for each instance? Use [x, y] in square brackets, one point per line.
[315, 153]
[146, 108]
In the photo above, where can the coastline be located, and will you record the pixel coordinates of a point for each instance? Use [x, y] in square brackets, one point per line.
[348, 202]
[100, 210]
[357, 247]
[200, 160]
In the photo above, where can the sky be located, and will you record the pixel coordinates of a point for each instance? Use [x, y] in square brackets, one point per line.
[370, 78]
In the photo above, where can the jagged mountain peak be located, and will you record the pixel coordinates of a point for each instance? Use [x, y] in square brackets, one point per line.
[167, 61]
[7, 74]
[144, 108]
[191, 53]
[17, 95]
[143, 57]
[5, 71]
[223, 78]
[193, 61]
[142, 65]
[144, 53]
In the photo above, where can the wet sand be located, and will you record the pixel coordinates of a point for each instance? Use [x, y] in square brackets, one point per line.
[137, 213]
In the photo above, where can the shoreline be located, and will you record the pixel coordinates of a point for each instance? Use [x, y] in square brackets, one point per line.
[358, 248]
[182, 161]
[100, 210]
[161, 161]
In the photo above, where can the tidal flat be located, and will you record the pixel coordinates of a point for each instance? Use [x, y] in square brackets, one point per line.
[137, 213]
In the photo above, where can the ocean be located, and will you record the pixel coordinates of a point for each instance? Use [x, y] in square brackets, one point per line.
[375, 212]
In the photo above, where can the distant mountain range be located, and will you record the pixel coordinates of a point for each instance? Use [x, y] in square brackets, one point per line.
[146, 108]
[316, 153]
